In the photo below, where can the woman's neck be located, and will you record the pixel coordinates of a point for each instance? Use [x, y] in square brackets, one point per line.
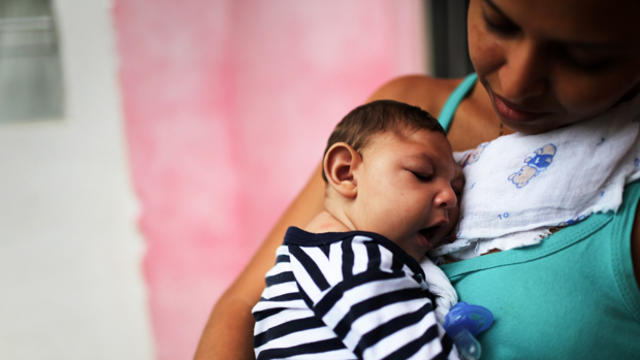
[475, 121]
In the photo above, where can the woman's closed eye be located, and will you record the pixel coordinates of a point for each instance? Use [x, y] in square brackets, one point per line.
[502, 27]
[590, 61]
[497, 22]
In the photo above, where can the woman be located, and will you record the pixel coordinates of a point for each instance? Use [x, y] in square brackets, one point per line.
[541, 65]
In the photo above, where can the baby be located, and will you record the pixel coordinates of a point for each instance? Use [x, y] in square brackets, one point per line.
[349, 285]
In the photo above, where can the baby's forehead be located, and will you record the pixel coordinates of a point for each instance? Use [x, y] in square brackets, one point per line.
[404, 133]
[402, 129]
[414, 143]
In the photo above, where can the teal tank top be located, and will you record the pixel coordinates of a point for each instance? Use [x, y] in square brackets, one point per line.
[574, 296]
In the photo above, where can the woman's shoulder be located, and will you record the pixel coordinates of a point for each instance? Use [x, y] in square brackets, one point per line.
[427, 92]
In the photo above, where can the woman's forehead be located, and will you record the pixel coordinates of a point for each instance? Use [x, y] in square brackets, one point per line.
[581, 22]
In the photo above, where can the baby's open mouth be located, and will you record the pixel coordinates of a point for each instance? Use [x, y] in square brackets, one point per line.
[432, 236]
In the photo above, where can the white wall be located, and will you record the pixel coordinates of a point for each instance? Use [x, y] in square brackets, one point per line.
[70, 252]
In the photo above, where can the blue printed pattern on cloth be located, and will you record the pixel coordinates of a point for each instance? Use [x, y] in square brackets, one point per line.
[521, 185]
[534, 165]
[473, 155]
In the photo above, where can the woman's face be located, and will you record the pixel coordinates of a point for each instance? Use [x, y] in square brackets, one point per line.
[550, 63]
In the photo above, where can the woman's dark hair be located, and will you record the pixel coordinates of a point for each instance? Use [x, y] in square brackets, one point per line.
[357, 127]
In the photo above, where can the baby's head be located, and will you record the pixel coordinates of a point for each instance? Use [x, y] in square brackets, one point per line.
[389, 169]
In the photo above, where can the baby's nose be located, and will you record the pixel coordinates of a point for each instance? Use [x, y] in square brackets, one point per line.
[446, 197]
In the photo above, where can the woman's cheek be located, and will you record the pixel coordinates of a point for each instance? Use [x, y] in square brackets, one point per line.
[584, 95]
[485, 51]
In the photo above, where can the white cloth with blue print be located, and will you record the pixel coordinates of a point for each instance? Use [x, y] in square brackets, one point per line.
[520, 186]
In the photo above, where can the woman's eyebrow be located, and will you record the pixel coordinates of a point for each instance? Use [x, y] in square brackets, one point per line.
[581, 45]
[498, 10]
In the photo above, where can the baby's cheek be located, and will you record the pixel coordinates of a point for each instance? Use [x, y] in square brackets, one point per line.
[454, 216]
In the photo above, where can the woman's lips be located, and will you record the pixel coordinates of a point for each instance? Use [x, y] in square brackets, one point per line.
[512, 112]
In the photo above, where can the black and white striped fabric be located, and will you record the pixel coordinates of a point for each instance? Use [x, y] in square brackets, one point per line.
[353, 295]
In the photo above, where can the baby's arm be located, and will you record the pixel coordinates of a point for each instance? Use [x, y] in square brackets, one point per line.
[377, 313]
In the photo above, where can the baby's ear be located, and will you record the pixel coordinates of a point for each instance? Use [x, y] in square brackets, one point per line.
[339, 164]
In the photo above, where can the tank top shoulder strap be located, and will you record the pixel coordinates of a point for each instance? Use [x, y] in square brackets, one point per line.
[450, 107]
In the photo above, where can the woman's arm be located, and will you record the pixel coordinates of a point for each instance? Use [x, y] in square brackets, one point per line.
[229, 331]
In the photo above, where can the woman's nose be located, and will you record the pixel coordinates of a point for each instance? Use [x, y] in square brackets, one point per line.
[524, 74]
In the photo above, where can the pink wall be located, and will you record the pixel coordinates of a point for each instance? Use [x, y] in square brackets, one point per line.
[227, 106]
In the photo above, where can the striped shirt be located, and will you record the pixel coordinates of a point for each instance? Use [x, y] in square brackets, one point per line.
[352, 295]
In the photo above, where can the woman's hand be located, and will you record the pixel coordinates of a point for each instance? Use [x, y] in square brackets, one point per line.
[229, 331]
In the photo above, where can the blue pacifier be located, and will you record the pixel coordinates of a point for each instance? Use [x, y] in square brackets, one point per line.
[463, 322]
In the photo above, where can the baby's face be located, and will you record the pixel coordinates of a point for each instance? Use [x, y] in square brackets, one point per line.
[408, 186]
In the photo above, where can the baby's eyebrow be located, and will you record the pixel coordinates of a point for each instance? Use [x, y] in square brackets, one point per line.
[421, 157]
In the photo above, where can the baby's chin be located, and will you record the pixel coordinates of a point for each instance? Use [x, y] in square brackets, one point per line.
[425, 240]
[433, 237]
[426, 243]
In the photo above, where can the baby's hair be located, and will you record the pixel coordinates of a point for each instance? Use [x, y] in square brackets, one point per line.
[357, 127]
